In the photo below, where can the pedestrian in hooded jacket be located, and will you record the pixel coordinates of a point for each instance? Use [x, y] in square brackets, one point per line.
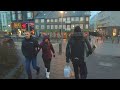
[46, 53]
[76, 49]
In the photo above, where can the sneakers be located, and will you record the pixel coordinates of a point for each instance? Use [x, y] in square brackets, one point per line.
[47, 75]
[38, 71]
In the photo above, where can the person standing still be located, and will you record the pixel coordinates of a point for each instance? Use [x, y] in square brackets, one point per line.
[30, 51]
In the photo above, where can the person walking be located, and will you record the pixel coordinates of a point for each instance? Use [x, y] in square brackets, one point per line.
[77, 47]
[47, 47]
[30, 51]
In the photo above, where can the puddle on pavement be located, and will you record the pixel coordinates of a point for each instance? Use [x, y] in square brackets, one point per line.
[105, 64]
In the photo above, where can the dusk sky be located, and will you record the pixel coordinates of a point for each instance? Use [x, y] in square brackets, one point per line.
[93, 13]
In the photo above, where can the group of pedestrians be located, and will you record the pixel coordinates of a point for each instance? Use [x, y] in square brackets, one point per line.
[78, 47]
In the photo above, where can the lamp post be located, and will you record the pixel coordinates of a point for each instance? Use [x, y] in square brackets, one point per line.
[60, 44]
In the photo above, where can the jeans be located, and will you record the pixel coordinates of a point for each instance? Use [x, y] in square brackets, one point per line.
[80, 68]
[28, 63]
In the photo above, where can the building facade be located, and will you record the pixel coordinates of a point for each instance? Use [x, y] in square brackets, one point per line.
[93, 23]
[53, 21]
[5, 21]
[108, 22]
[22, 21]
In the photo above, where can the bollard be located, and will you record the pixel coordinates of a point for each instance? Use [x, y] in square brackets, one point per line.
[60, 48]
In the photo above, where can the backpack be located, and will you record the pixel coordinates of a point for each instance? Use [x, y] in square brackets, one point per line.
[78, 48]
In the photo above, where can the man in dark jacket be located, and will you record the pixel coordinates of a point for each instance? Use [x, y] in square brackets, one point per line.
[30, 51]
[75, 50]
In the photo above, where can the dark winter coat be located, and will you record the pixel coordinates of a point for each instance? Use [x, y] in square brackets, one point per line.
[30, 47]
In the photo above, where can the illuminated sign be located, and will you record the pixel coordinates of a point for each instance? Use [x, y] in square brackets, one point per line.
[23, 25]
[17, 25]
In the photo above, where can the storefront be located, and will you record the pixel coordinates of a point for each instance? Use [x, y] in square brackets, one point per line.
[22, 27]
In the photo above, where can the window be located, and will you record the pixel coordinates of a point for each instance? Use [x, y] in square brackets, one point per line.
[48, 20]
[64, 26]
[48, 26]
[81, 26]
[68, 18]
[86, 26]
[60, 26]
[42, 20]
[56, 26]
[36, 20]
[76, 25]
[87, 18]
[36, 26]
[29, 15]
[52, 26]
[72, 26]
[64, 19]
[42, 27]
[51, 20]
[13, 15]
[76, 18]
[81, 18]
[72, 18]
[60, 19]
[19, 15]
[68, 26]
[56, 20]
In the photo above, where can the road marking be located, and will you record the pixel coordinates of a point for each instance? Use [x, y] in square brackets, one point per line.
[105, 64]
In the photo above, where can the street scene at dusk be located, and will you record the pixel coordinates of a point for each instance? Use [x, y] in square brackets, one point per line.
[59, 44]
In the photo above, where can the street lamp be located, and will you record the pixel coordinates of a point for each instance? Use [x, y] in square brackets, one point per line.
[60, 45]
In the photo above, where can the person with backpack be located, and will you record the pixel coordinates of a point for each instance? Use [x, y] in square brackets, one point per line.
[77, 47]
[46, 53]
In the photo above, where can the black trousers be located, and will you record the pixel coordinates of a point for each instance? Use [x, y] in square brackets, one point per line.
[47, 64]
[80, 69]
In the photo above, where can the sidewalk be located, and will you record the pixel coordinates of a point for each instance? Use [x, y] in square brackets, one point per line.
[57, 65]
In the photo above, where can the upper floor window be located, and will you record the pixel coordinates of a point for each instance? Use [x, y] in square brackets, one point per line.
[68, 18]
[72, 18]
[36, 20]
[48, 20]
[81, 18]
[56, 20]
[76, 18]
[29, 15]
[19, 15]
[13, 15]
[42, 20]
[87, 18]
[51, 20]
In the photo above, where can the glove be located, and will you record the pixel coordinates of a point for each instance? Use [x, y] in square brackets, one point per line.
[53, 55]
[90, 52]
